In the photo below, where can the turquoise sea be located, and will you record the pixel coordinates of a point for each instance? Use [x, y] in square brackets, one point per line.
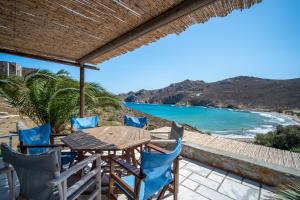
[222, 121]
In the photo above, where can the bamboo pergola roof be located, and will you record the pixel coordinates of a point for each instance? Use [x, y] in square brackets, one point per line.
[92, 31]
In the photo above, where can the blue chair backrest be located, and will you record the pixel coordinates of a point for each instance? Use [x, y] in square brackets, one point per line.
[85, 122]
[157, 168]
[138, 122]
[34, 172]
[39, 135]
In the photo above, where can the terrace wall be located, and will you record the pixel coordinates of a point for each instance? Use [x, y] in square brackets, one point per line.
[258, 168]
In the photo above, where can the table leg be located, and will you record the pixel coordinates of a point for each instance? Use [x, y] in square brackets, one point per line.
[80, 156]
[127, 156]
[134, 162]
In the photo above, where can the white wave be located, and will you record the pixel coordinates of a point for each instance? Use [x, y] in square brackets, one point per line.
[267, 126]
[261, 130]
[246, 133]
[221, 131]
[277, 118]
[235, 136]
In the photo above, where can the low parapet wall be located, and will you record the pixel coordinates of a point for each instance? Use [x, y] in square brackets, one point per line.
[256, 169]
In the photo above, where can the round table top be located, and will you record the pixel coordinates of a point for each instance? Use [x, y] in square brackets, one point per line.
[107, 138]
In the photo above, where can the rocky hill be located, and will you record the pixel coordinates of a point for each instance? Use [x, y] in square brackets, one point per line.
[239, 92]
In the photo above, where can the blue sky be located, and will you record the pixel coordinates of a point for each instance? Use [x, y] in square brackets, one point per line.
[263, 41]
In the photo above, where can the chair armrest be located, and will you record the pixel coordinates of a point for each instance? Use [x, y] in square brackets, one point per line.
[59, 135]
[6, 169]
[130, 168]
[169, 141]
[156, 148]
[163, 141]
[8, 135]
[72, 170]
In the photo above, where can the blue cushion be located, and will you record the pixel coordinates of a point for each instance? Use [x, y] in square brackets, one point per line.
[85, 122]
[157, 168]
[129, 180]
[67, 157]
[39, 135]
[138, 122]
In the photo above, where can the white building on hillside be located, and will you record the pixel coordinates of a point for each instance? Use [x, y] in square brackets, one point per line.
[13, 69]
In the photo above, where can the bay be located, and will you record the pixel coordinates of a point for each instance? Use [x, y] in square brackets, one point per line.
[221, 121]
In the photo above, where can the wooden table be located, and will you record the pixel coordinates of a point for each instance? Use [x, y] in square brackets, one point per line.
[107, 138]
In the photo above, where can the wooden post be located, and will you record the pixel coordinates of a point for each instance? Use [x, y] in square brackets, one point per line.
[82, 98]
[111, 181]
[137, 187]
[11, 183]
[176, 178]
[10, 141]
[98, 178]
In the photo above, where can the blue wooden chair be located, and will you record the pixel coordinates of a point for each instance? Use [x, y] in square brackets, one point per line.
[37, 140]
[159, 172]
[78, 124]
[82, 123]
[139, 122]
[176, 133]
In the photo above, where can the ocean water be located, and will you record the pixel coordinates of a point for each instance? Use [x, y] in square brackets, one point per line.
[221, 121]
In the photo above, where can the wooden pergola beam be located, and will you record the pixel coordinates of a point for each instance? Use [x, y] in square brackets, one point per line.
[180, 10]
[44, 58]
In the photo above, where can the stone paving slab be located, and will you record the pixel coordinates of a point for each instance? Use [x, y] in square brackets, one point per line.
[200, 181]
[199, 168]
[211, 194]
[237, 190]
[203, 182]
[266, 193]
[215, 177]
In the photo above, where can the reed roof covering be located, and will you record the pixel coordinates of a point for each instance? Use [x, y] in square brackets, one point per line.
[75, 30]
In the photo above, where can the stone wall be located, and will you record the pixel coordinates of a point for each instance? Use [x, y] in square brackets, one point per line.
[260, 171]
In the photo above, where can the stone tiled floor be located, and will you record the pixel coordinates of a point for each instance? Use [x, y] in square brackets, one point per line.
[203, 182]
[199, 181]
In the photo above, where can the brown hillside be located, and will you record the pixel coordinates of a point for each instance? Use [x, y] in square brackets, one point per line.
[239, 92]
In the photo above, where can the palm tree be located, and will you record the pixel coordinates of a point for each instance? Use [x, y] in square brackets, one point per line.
[48, 97]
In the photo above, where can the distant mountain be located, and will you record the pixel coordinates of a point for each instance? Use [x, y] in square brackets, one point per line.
[240, 92]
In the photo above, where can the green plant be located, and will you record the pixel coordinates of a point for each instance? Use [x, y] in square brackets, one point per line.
[295, 149]
[290, 191]
[287, 138]
[48, 97]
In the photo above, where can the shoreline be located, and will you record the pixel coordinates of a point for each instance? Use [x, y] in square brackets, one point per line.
[248, 138]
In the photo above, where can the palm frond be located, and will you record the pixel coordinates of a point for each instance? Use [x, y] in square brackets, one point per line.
[289, 191]
[47, 97]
